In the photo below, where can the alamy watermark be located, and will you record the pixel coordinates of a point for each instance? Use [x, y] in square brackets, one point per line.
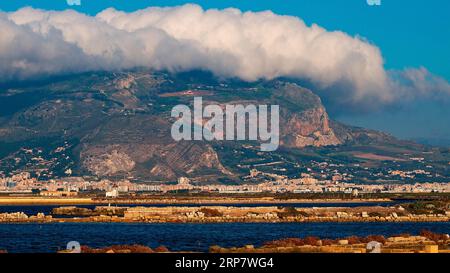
[73, 247]
[227, 122]
[73, 2]
[374, 2]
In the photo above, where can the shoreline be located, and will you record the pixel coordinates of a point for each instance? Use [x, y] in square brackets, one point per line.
[16, 201]
[104, 221]
[224, 214]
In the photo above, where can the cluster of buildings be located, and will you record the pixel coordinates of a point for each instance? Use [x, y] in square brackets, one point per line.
[308, 184]
[18, 182]
[274, 183]
[71, 186]
[409, 174]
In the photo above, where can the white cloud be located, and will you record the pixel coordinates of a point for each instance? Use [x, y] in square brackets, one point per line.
[229, 43]
[418, 82]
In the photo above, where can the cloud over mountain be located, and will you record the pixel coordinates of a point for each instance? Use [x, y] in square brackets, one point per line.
[229, 43]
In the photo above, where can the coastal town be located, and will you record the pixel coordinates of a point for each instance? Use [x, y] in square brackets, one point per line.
[268, 183]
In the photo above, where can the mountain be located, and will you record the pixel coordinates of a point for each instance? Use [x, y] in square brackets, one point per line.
[117, 125]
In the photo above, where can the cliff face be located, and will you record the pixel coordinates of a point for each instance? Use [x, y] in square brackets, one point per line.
[150, 161]
[141, 146]
[304, 120]
[309, 128]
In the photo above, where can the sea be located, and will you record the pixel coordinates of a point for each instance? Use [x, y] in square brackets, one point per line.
[43, 238]
[51, 237]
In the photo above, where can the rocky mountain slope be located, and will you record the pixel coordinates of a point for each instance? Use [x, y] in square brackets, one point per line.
[117, 125]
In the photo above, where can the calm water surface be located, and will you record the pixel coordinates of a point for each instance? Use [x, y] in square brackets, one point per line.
[188, 237]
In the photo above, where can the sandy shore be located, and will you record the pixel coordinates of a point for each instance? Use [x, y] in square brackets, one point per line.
[171, 200]
[44, 201]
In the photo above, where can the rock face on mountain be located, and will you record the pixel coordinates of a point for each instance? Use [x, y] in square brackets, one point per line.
[305, 122]
[141, 146]
[118, 124]
[311, 128]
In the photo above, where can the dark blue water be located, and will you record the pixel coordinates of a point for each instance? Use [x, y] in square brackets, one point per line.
[47, 209]
[187, 237]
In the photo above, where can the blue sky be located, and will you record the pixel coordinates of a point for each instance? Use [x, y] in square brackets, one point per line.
[410, 33]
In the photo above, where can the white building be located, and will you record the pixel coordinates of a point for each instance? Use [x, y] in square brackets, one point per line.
[113, 193]
[183, 181]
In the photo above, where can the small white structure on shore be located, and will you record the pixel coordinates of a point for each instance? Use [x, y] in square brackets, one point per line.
[114, 193]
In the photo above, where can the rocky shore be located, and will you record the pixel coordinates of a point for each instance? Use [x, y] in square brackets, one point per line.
[174, 200]
[220, 214]
[426, 242]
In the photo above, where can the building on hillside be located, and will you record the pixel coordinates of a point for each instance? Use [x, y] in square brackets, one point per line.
[184, 181]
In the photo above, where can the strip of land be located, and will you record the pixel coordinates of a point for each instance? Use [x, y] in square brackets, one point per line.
[44, 201]
[228, 214]
[425, 242]
[174, 200]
